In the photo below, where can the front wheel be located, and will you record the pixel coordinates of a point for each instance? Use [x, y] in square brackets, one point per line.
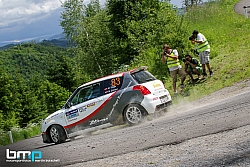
[134, 113]
[57, 134]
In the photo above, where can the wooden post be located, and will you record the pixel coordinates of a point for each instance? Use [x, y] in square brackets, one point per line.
[245, 10]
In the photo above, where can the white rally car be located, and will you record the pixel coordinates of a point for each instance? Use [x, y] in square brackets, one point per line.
[96, 104]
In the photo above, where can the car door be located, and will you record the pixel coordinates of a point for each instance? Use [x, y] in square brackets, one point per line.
[84, 108]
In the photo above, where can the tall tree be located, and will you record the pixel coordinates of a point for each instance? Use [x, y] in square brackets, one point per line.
[30, 109]
[9, 102]
[140, 23]
[52, 95]
[61, 72]
[131, 21]
[86, 26]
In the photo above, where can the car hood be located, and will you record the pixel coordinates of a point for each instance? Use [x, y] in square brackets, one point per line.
[55, 114]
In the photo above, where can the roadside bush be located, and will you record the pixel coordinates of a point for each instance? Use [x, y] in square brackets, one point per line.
[20, 133]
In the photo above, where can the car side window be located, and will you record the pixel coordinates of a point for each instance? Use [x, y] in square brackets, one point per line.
[86, 93]
[112, 85]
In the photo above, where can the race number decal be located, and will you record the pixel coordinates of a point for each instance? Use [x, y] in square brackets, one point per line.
[115, 82]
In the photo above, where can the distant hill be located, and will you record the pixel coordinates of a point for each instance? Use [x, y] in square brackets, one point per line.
[7, 46]
[30, 59]
[56, 40]
[57, 36]
[64, 43]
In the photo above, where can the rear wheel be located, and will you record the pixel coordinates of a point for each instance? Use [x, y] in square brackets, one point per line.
[134, 113]
[57, 134]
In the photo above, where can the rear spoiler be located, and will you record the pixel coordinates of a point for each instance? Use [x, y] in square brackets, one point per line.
[142, 68]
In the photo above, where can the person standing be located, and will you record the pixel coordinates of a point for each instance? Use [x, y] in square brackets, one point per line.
[171, 57]
[203, 48]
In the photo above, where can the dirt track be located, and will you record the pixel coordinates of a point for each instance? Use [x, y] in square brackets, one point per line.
[213, 131]
[230, 147]
[238, 8]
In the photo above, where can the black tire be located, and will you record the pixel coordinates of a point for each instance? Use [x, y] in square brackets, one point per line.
[134, 113]
[57, 134]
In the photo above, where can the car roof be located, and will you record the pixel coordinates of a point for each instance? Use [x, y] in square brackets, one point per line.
[114, 75]
[104, 78]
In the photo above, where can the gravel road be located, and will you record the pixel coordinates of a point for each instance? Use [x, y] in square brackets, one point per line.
[238, 8]
[212, 150]
[227, 148]
[212, 131]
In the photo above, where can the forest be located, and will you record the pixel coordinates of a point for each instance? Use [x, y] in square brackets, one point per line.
[37, 78]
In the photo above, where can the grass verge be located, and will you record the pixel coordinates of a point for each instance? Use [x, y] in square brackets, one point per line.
[228, 34]
[20, 134]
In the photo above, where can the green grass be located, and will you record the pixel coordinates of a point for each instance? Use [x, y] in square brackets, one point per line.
[228, 34]
[20, 134]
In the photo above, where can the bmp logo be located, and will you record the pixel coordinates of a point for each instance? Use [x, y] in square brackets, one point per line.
[16, 155]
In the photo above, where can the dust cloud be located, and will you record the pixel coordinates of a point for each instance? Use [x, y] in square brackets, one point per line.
[180, 107]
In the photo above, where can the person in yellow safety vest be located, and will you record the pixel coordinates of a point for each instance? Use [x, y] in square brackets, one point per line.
[171, 57]
[203, 48]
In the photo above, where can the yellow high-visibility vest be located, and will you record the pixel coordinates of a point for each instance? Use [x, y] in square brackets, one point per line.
[202, 47]
[172, 62]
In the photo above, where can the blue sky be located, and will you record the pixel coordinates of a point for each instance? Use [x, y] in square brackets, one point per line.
[22, 20]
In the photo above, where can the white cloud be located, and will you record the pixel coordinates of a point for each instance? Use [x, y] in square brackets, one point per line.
[24, 19]
[19, 12]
